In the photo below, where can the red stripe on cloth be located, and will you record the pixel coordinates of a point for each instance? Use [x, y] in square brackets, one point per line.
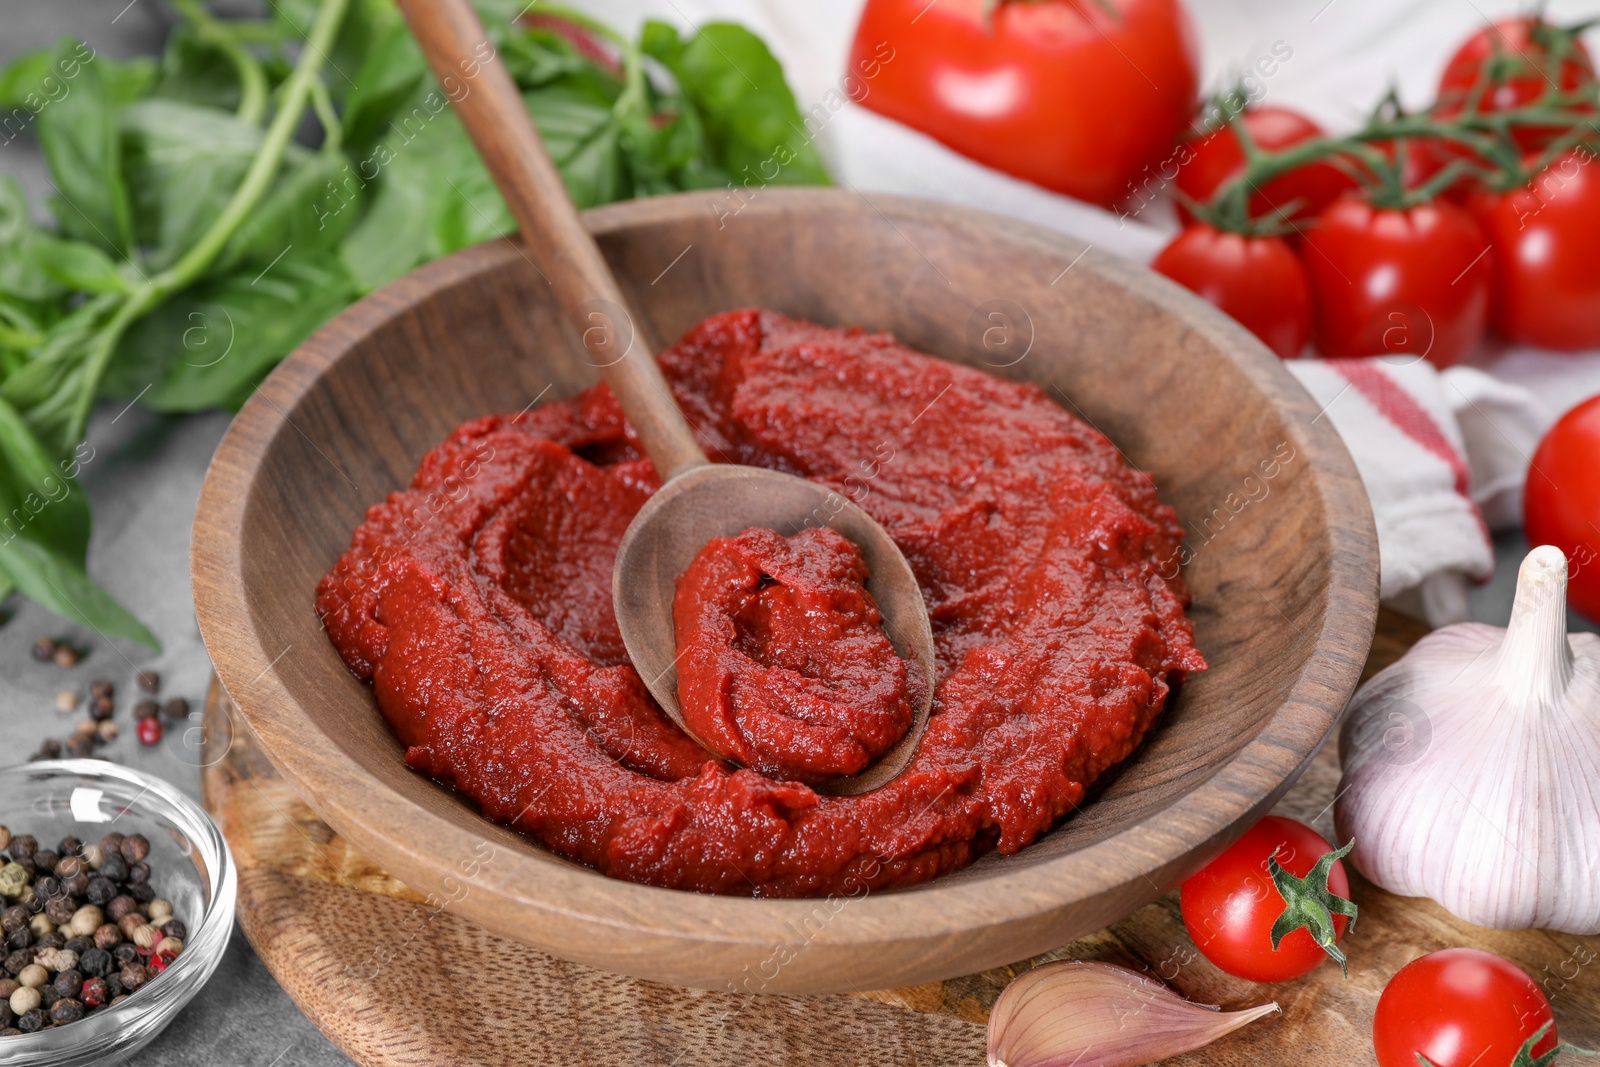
[1412, 419]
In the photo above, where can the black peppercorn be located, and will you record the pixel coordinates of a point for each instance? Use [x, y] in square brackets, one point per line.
[144, 892]
[48, 995]
[80, 945]
[66, 866]
[44, 650]
[96, 962]
[175, 928]
[108, 936]
[33, 1021]
[47, 886]
[114, 868]
[75, 885]
[66, 1011]
[110, 843]
[145, 709]
[80, 746]
[7, 1017]
[133, 975]
[50, 748]
[14, 917]
[23, 845]
[69, 982]
[101, 709]
[123, 953]
[149, 681]
[101, 891]
[21, 937]
[114, 988]
[120, 907]
[50, 940]
[59, 909]
[176, 708]
[70, 846]
[138, 874]
[16, 961]
[135, 847]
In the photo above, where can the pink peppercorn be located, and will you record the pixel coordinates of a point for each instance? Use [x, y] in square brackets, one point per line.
[150, 731]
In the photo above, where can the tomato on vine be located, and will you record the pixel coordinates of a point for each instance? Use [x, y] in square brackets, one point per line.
[1462, 1007]
[1514, 63]
[1561, 501]
[1273, 906]
[1258, 280]
[1398, 280]
[1215, 157]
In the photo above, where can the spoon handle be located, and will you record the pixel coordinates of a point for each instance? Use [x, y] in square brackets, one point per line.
[484, 96]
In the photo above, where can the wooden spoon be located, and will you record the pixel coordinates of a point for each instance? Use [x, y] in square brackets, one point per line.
[698, 500]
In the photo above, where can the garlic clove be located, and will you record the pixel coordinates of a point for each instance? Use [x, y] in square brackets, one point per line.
[1076, 1014]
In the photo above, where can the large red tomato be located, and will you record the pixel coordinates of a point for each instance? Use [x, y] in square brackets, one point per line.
[1561, 501]
[1209, 159]
[1257, 280]
[1546, 238]
[1078, 96]
[1229, 908]
[1398, 282]
[1460, 1007]
[1511, 60]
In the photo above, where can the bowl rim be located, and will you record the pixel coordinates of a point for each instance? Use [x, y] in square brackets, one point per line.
[203, 948]
[361, 806]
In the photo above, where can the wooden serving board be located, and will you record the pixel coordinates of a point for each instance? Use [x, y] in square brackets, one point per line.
[394, 980]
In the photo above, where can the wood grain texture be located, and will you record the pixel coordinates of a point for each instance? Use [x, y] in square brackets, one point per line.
[369, 961]
[1281, 558]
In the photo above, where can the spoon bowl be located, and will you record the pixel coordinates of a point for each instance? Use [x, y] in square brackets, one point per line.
[720, 500]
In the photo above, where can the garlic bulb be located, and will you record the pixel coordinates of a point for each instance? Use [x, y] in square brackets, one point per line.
[1472, 766]
[1075, 1014]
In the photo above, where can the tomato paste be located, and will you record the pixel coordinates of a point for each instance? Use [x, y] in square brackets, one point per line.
[478, 603]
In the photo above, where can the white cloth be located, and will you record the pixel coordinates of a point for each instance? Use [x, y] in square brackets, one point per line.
[1345, 54]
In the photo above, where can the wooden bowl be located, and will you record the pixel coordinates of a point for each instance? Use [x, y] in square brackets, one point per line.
[1282, 562]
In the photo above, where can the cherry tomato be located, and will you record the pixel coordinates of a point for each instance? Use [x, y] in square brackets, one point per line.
[1547, 257]
[1511, 59]
[1210, 159]
[1078, 96]
[1257, 280]
[1561, 501]
[1230, 906]
[1398, 282]
[1459, 1007]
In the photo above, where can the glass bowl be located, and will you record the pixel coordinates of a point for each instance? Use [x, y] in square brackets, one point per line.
[190, 865]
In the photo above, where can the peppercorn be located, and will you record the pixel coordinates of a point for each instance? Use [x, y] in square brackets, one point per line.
[45, 860]
[149, 681]
[135, 847]
[48, 996]
[125, 953]
[27, 865]
[24, 1000]
[112, 842]
[68, 865]
[86, 920]
[23, 845]
[160, 910]
[66, 1010]
[21, 937]
[48, 940]
[169, 947]
[69, 982]
[102, 687]
[158, 963]
[144, 892]
[69, 846]
[108, 732]
[121, 907]
[42, 927]
[108, 936]
[101, 891]
[65, 656]
[33, 976]
[66, 700]
[16, 961]
[13, 876]
[174, 928]
[133, 975]
[80, 945]
[145, 937]
[94, 992]
[60, 909]
[13, 918]
[44, 650]
[145, 709]
[176, 708]
[49, 748]
[80, 746]
[31, 1022]
[129, 923]
[101, 709]
[8, 986]
[97, 963]
[114, 988]
[149, 731]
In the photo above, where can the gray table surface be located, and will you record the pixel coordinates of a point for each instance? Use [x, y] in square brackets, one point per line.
[143, 483]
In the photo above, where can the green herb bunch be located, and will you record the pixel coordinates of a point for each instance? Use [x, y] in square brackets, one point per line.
[214, 206]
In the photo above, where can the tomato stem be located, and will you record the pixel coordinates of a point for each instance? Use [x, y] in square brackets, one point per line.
[1309, 904]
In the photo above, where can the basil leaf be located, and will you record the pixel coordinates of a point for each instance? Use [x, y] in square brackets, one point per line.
[314, 203]
[196, 72]
[212, 344]
[53, 581]
[20, 275]
[736, 84]
[78, 266]
[78, 135]
[390, 76]
[183, 164]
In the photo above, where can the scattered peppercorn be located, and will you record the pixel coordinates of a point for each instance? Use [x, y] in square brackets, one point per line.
[44, 650]
[146, 709]
[101, 709]
[82, 927]
[49, 749]
[102, 687]
[150, 731]
[176, 708]
[80, 746]
[65, 656]
[149, 681]
[66, 700]
[108, 731]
